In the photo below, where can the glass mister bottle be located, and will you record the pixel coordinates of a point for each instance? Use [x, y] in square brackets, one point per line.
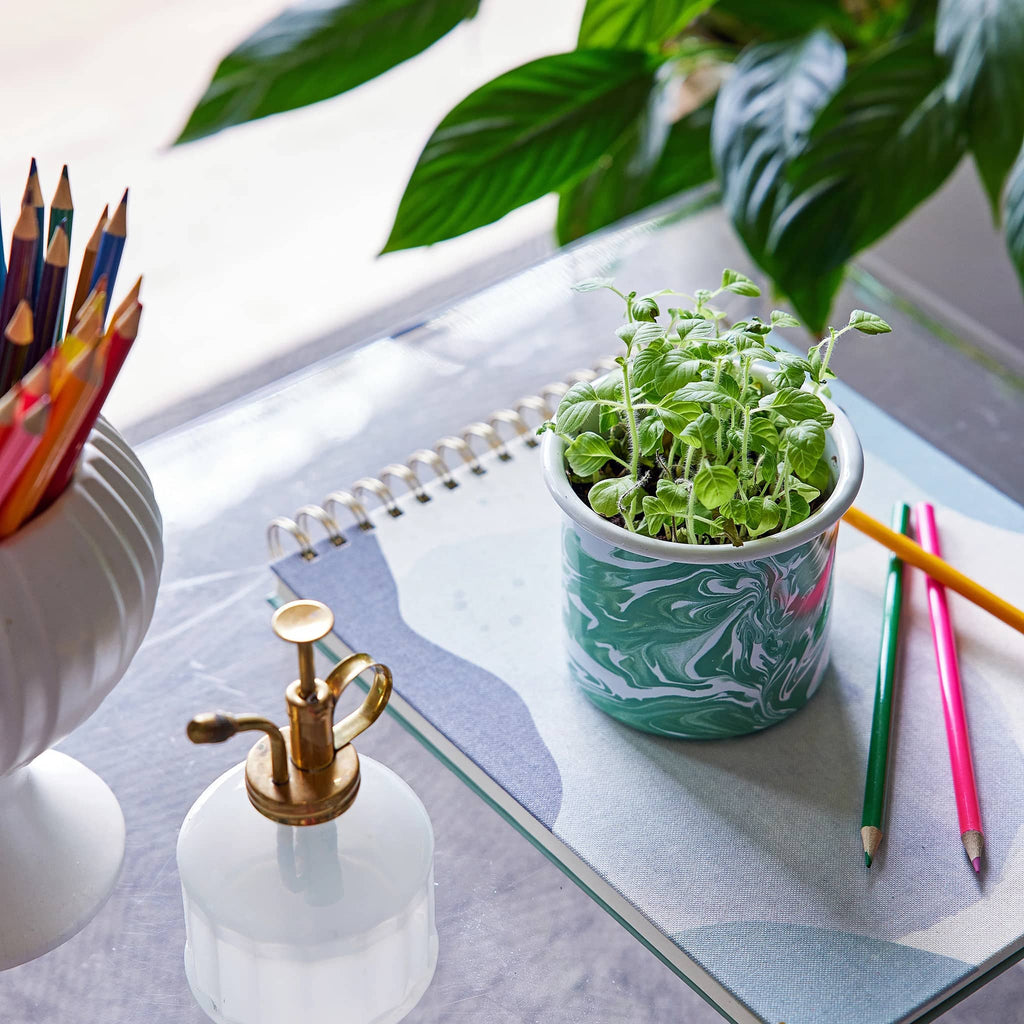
[299, 898]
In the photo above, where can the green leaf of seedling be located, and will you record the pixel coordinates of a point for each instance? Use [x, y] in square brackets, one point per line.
[762, 516]
[655, 515]
[735, 510]
[769, 471]
[788, 377]
[794, 404]
[608, 498]
[868, 323]
[763, 435]
[821, 476]
[799, 510]
[626, 333]
[805, 444]
[805, 490]
[588, 453]
[739, 284]
[674, 498]
[714, 485]
[650, 430]
[677, 414]
[780, 318]
[700, 432]
[593, 284]
[579, 410]
[647, 332]
[646, 309]
[665, 371]
[707, 391]
[692, 328]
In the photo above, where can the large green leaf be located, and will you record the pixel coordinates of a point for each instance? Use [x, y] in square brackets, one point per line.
[1014, 209]
[311, 52]
[761, 122]
[884, 143]
[774, 19]
[533, 130]
[634, 24]
[984, 43]
[653, 160]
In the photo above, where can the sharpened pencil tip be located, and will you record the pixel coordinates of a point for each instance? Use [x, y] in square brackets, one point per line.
[124, 198]
[976, 864]
[32, 167]
[867, 859]
[64, 171]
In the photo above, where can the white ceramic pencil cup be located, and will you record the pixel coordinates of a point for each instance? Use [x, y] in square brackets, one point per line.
[77, 589]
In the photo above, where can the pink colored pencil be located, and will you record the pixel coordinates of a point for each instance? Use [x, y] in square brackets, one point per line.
[22, 439]
[952, 697]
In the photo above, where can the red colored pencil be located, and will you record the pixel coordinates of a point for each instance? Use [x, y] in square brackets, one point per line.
[967, 808]
[22, 440]
[119, 342]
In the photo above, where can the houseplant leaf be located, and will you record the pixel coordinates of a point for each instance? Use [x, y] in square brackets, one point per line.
[312, 52]
[634, 24]
[983, 40]
[1014, 226]
[714, 485]
[892, 112]
[787, 18]
[652, 161]
[530, 131]
[588, 453]
[762, 118]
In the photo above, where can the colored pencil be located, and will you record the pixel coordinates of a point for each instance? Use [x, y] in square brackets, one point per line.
[915, 555]
[3, 259]
[62, 214]
[871, 825]
[968, 812]
[17, 347]
[21, 269]
[34, 198]
[68, 410]
[51, 293]
[119, 340]
[108, 258]
[22, 441]
[85, 274]
[62, 209]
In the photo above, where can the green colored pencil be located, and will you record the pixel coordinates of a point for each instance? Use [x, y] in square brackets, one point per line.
[62, 215]
[878, 752]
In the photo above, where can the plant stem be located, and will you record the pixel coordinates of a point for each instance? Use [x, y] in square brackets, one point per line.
[634, 438]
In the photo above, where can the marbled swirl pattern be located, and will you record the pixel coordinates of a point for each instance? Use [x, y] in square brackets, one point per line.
[696, 651]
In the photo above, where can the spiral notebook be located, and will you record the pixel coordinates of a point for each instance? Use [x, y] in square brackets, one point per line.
[737, 862]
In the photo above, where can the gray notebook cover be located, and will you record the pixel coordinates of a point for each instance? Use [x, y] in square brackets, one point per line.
[737, 861]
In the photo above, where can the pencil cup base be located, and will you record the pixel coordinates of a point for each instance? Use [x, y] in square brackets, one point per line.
[61, 850]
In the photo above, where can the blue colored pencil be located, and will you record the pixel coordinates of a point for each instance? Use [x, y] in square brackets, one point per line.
[108, 259]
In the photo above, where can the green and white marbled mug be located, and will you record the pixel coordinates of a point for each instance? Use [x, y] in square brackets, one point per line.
[700, 641]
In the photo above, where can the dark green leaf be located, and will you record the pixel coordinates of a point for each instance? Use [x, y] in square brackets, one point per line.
[983, 40]
[578, 411]
[653, 160]
[701, 432]
[762, 516]
[762, 118]
[313, 51]
[735, 510]
[705, 391]
[786, 18]
[714, 485]
[892, 112]
[762, 435]
[655, 515]
[1015, 215]
[533, 130]
[651, 431]
[588, 453]
[799, 510]
[780, 318]
[677, 414]
[664, 372]
[634, 24]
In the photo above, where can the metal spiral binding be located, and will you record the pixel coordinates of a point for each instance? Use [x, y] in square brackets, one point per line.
[540, 406]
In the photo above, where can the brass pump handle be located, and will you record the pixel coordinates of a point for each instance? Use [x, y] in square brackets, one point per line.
[374, 703]
[218, 726]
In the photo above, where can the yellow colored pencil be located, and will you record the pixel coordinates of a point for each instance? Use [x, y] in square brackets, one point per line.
[939, 570]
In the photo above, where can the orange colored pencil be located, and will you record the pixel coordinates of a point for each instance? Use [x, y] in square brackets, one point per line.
[118, 344]
[22, 440]
[88, 262]
[70, 407]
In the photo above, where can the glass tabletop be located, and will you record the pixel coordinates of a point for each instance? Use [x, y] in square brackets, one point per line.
[519, 942]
